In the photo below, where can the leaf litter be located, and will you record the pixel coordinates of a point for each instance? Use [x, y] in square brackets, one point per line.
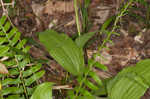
[128, 48]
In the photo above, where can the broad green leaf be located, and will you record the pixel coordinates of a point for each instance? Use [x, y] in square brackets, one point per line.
[128, 88]
[64, 51]
[142, 68]
[43, 91]
[90, 97]
[131, 82]
[82, 40]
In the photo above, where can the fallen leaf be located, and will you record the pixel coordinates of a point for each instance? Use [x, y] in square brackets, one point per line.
[102, 13]
[59, 6]
[3, 69]
[37, 9]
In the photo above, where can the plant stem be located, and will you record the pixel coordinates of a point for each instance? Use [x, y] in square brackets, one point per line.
[22, 80]
[77, 17]
[115, 25]
[103, 44]
[82, 81]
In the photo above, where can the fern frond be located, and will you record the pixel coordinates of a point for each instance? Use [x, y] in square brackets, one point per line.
[22, 79]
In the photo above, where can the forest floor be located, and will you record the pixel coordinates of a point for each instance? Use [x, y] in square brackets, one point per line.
[133, 44]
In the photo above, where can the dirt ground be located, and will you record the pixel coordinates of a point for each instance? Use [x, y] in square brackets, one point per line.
[133, 44]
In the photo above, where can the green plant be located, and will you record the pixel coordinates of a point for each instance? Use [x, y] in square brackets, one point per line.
[21, 73]
[69, 55]
[85, 16]
[115, 26]
[136, 78]
[43, 91]
[77, 17]
[24, 72]
[131, 83]
[64, 50]
[131, 76]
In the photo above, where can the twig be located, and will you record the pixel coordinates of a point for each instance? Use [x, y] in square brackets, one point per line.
[4, 10]
[62, 87]
[7, 4]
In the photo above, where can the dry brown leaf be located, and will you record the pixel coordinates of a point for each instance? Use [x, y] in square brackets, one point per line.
[37, 9]
[102, 13]
[105, 57]
[59, 6]
[3, 69]
[102, 74]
